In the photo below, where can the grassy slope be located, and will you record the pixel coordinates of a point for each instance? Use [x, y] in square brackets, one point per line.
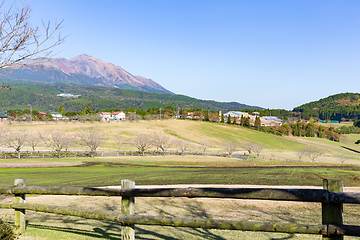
[196, 131]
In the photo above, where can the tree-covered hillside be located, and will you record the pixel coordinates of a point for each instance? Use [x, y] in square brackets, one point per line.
[44, 98]
[335, 107]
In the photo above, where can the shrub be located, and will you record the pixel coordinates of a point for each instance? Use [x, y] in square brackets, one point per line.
[6, 231]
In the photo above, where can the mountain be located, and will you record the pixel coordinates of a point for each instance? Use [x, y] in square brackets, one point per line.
[44, 98]
[85, 70]
[335, 107]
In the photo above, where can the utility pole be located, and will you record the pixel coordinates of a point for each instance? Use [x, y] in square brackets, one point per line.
[160, 113]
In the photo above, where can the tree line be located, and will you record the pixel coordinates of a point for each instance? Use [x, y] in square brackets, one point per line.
[340, 107]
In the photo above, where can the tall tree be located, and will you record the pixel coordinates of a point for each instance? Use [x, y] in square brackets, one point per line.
[222, 118]
[228, 119]
[87, 110]
[61, 110]
[257, 122]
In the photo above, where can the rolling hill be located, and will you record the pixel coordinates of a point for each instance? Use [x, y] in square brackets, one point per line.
[44, 98]
[335, 107]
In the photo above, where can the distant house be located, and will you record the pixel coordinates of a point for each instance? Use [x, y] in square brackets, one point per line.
[68, 95]
[56, 115]
[3, 117]
[119, 115]
[270, 121]
[272, 118]
[42, 114]
[233, 114]
[105, 116]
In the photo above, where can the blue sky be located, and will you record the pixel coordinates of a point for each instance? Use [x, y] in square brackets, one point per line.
[272, 54]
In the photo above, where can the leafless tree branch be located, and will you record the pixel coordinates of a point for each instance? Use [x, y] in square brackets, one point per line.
[22, 44]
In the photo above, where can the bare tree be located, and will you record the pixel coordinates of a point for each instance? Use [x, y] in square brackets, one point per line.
[258, 148]
[143, 142]
[57, 141]
[15, 140]
[341, 158]
[133, 116]
[301, 153]
[182, 146]
[92, 138]
[204, 145]
[119, 141]
[22, 44]
[162, 142]
[313, 153]
[2, 135]
[230, 147]
[249, 146]
[33, 141]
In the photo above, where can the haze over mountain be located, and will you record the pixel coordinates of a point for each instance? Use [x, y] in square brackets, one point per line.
[86, 70]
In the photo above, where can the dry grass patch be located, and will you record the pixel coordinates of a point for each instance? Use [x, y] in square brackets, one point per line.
[50, 226]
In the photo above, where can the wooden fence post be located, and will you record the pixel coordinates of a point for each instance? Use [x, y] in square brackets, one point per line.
[127, 207]
[20, 223]
[332, 212]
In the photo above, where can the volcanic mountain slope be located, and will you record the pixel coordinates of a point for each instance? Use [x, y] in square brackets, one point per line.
[86, 70]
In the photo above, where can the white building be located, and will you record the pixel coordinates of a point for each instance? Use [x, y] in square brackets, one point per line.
[119, 116]
[105, 116]
[68, 95]
[233, 114]
[56, 115]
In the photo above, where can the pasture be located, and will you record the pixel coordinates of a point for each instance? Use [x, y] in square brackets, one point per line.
[278, 165]
[196, 132]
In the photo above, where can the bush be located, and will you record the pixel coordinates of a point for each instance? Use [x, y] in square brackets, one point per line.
[6, 231]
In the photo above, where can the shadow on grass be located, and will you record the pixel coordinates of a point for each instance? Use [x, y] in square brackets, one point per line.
[350, 149]
[140, 233]
[291, 235]
[98, 233]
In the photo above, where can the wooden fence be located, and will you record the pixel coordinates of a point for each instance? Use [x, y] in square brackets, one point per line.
[331, 196]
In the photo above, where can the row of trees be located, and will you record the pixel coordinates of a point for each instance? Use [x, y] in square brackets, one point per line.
[300, 129]
[162, 143]
[58, 141]
[61, 141]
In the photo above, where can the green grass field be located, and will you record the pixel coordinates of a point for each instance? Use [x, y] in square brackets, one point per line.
[156, 173]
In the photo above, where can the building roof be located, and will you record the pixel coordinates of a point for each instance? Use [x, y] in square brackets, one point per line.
[272, 118]
[117, 112]
[2, 115]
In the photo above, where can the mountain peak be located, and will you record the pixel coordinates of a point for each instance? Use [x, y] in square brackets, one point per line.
[99, 73]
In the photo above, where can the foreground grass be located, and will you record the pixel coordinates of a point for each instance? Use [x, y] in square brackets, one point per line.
[49, 226]
[110, 174]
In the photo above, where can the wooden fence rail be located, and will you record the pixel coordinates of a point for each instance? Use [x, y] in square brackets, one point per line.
[331, 198]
